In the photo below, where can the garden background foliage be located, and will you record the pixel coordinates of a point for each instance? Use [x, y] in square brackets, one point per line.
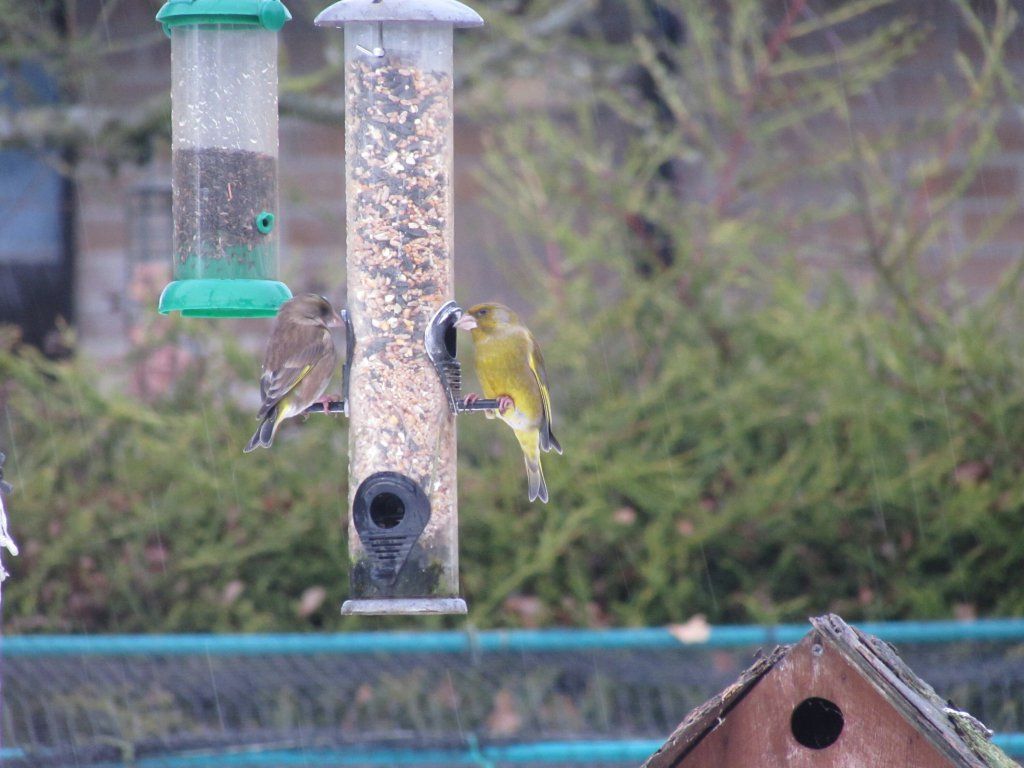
[760, 423]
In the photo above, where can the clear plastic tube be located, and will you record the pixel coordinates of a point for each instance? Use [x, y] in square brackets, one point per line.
[224, 151]
[398, 148]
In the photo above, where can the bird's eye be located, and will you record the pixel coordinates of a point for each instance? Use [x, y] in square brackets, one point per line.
[483, 311]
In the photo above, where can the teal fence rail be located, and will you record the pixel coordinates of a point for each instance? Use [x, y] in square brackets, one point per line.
[633, 751]
[550, 640]
[540, 698]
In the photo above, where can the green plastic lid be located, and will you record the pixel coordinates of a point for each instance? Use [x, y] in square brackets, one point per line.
[224, 298]
[269, 14]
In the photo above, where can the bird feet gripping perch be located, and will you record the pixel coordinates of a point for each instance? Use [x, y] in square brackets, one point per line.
[328, 403]
[505, 403]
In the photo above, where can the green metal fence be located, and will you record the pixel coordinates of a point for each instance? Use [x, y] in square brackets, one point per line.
[489, 698]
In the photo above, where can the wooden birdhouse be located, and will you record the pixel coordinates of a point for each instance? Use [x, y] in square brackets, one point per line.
[838, 698]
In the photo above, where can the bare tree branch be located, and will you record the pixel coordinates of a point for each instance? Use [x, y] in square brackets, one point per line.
[115, 135]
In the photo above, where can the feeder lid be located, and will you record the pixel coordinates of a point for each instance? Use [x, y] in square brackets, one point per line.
[445, 11]
[269, 14]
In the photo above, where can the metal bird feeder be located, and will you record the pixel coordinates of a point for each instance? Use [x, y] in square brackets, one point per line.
[224, 156]
[403, 522]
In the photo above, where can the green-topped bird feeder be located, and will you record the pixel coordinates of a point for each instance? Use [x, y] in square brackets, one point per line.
[224, 157]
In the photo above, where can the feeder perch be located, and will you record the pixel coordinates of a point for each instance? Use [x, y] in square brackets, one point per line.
[224, 156]
[403, 522]
[441, 349]
[837, 698]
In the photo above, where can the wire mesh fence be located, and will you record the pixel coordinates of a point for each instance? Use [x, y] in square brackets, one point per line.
[404, 700]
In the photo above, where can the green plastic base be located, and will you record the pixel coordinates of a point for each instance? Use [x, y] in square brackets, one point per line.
[224, 298]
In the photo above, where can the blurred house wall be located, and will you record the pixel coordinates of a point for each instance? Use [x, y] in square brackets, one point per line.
[312, 180]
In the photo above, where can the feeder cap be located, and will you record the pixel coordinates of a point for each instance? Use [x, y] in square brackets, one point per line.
[269, 14]
[444, 11]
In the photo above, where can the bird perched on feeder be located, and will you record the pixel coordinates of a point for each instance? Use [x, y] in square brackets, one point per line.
[297, 365]
[511, 370]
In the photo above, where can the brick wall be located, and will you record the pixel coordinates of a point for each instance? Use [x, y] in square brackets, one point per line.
[312, 181]
[916, 89]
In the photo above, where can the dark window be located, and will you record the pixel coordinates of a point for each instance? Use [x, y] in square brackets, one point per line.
[36, 221]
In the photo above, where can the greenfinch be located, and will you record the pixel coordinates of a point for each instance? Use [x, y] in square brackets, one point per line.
[511, 370]
[298, 364]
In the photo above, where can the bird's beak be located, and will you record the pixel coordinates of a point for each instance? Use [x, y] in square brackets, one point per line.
[466, 323]
[335, 320]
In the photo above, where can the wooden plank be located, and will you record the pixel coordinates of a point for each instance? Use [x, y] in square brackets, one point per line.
[709, 715]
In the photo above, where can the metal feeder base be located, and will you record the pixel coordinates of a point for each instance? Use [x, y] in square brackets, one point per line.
[415, 606]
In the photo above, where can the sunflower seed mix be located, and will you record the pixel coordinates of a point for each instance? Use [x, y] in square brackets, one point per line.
[398, 149]
[218, 194]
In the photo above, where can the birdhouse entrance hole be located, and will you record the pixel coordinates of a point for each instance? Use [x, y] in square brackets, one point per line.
[387, 510]
[816, 723]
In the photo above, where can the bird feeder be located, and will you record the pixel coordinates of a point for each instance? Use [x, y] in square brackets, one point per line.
[403, 521]
[224, 157]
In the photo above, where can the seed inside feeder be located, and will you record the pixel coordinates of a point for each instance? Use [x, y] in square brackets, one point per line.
[399, 273]
[218, 196]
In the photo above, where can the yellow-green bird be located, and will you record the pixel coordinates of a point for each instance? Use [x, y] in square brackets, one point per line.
[298, 363]
[511, 370]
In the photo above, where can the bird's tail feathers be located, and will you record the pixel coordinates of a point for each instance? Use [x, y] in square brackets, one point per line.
[264, 434]
[548, 441]
[538, 489]
[529, 441]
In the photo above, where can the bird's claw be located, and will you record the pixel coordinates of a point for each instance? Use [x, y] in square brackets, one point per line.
[326, 401]
[505, 403]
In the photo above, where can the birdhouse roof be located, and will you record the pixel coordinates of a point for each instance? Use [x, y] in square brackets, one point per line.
[953, 734]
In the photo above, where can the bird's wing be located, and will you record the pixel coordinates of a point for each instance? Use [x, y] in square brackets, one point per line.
[314, 381]
[547, 436]
[281, 376]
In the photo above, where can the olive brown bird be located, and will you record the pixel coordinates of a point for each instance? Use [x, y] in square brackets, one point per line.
[298, 364]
